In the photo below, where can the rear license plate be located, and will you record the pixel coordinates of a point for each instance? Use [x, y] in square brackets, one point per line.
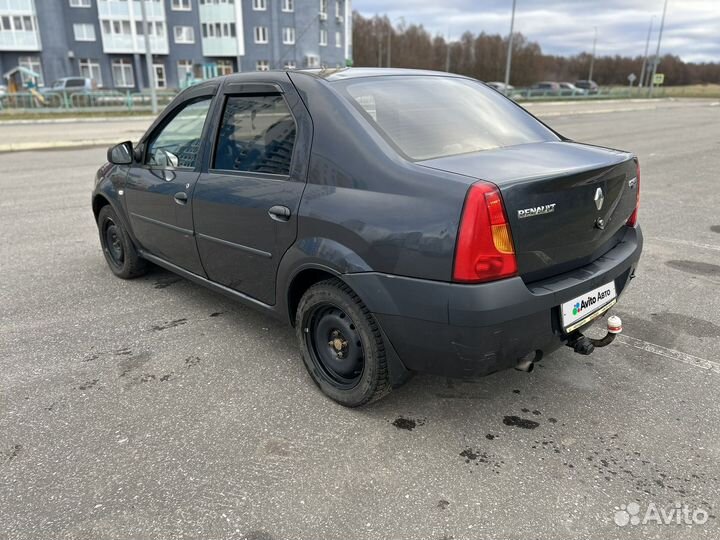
[581, 309]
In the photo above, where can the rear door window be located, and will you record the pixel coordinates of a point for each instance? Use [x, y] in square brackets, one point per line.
[257, 135]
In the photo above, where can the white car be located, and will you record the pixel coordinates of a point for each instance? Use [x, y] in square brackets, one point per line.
[500, 86]
[569, 89]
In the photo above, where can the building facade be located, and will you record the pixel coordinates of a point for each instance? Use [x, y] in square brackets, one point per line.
[189, 39]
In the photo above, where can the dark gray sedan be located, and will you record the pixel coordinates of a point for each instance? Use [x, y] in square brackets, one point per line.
[400, 220]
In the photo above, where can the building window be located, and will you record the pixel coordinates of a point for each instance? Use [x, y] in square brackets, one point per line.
[19, 23]
[338, 39]
[81, 3]
[323, 9]
[261, 34]
[122, 72]
[224, 67]
[288, 35]
[33, 64]
[184, 34]
[262, 65]
[90, 69]
[181, 5]
[289, 64]
[116, 27]
[288, 5]
[259, 5]
[323, 36]
[338, 13]
[84, 32]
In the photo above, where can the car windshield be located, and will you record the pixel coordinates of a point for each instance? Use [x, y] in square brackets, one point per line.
[427, 117]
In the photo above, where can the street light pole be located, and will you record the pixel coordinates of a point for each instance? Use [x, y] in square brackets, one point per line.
[447, 52]
[592, 58]
[645, 56]
[389, 54]
[508, 61]
[148, 58]
[656, 61]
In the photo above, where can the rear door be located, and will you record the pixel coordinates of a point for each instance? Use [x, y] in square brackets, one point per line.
[245, 204]
[158, 191]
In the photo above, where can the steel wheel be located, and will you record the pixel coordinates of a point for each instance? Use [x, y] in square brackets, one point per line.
[113, 243]
[335, 346]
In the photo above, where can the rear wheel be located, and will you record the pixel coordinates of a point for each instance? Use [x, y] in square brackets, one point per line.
[120, 254]
[341, 344]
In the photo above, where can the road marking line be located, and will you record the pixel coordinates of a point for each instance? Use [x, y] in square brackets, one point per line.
[670, 353]
[687, 243]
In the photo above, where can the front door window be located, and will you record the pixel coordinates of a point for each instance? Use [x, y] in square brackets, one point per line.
[177, 145]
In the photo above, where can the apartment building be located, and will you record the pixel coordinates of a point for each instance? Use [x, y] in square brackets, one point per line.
[189, 39]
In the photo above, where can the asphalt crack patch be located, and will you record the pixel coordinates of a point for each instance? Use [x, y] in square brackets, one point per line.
[516, 421]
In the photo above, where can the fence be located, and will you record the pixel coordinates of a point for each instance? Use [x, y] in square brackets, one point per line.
[35, 102]
[610, 92]
[116, 101]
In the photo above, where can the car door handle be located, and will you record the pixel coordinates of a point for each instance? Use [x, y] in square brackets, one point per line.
[279, 213]
[181, 197]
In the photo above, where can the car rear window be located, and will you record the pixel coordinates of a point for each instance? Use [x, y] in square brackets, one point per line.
[427, 117]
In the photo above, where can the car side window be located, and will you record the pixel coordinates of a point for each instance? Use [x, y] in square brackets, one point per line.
[178, 144]
[257, 134]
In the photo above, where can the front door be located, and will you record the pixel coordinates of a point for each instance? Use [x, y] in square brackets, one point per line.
[159, 70]
[245, 206]
[158, 192]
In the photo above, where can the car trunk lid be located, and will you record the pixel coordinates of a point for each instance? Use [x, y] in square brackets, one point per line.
[567, 203]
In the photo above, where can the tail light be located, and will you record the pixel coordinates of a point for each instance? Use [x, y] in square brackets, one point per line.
[632, 220]
[484, 250]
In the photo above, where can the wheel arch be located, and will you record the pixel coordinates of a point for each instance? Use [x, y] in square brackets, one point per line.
[301, 281]
[98, 202]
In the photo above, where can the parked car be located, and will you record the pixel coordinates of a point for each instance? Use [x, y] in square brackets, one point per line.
[3, 90]
[590, 86]
[400, 220]
[501, 86]
[545, 88]
[69, 85]
[569, 89]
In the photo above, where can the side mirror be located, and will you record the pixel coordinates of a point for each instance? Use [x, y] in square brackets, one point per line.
[121, 154]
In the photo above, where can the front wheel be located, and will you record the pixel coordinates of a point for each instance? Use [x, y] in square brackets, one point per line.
[341, 344]
[119, 251]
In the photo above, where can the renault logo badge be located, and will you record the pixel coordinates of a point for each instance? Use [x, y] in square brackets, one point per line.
[599, 198]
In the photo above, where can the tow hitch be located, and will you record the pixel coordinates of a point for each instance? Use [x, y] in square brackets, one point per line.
[582, 344]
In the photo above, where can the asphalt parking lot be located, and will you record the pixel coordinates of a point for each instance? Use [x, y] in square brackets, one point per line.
[155, 408]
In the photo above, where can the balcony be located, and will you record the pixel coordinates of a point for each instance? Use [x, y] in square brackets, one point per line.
[17, 7]
[112, 9]
[19, 41]
[220, 46]
[131, 44]
[217, 13]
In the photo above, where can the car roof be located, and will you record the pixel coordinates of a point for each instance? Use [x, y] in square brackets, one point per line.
[337, 74]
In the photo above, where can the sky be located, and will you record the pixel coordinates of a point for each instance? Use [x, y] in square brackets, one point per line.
[566, 27]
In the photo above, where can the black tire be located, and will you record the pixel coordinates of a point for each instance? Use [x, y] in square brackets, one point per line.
[119, 251]
[332, 320]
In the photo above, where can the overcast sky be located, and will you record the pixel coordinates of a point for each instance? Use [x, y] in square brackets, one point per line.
[692, 27]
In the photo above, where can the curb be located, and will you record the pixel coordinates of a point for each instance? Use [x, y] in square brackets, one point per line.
[76, 120]
[57, 145]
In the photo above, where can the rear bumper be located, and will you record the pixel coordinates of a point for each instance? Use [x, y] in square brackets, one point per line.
[461, 330]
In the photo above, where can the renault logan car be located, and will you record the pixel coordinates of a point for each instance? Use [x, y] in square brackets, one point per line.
[400, 220]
